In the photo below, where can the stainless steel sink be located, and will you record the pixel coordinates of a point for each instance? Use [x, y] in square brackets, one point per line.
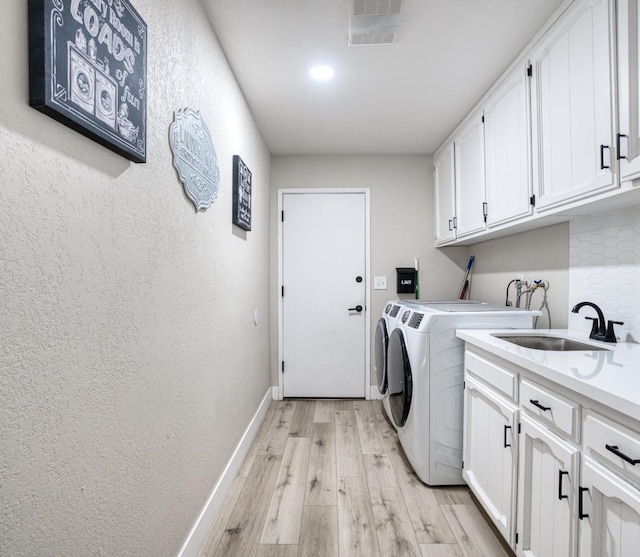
[542, 342]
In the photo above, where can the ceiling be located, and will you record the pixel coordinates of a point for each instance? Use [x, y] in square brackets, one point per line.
[399, 99]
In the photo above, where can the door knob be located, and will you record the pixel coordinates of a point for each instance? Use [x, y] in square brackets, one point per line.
[357, 308]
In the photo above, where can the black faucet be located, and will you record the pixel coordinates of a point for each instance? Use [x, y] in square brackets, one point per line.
[598, 331]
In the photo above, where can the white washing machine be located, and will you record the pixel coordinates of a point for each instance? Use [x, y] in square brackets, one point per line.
[425, 373]
[389, 320]
[385, 326]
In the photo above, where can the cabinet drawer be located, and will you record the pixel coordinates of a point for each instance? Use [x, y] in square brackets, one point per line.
[623, 443]
[504, 380]
[551, 408]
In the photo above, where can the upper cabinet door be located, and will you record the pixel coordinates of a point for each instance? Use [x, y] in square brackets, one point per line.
[573, 139]
[469, 168]
[508, 150]
[444, 194]
[628, 139]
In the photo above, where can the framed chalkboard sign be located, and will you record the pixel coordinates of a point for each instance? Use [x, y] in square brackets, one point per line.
[241, 194]
[88, 70]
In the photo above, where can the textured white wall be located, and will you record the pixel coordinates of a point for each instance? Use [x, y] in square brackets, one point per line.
[129, 361]
[605, 270]
[541, 254]
[401, 198]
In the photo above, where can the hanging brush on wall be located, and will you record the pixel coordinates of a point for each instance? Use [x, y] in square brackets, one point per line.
[464, 290]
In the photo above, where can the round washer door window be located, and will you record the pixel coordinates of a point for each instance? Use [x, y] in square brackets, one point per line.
[381, 342]
[399, 378]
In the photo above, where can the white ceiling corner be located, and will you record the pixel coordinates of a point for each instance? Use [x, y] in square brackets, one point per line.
[403, 98]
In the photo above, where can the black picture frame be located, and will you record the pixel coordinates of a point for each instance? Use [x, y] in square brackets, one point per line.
[241, 194]
[88, 70]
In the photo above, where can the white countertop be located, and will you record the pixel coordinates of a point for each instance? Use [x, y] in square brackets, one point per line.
[610, 377]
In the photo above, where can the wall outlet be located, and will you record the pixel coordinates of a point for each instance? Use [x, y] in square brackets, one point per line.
[379, 283]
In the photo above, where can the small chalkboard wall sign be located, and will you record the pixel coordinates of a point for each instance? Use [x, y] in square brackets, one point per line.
[88, 70]
[241, 194]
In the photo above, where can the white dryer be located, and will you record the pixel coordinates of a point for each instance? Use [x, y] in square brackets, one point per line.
[385, 326]
[390, 319]
[425, 373]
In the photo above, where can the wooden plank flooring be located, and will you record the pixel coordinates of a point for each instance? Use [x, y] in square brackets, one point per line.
[329, 478]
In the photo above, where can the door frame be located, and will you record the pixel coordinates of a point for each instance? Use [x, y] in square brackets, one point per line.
[367, 251]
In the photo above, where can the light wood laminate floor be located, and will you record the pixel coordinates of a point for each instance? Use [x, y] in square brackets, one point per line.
[329, 478]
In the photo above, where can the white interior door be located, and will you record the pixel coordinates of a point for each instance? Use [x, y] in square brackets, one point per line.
[324, 295]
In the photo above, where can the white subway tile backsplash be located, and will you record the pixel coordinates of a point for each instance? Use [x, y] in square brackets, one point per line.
[604, 268]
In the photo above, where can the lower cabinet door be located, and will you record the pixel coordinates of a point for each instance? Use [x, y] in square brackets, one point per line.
[547, 493]
[610, 513]
[490, 451]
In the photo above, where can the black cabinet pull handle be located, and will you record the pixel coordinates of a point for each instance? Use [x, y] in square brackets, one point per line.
[505, 436]
[561, 496]
[602, 148]
[537, 404]
[614, 449]
[618, 155]
[357, 308]
[581, 513]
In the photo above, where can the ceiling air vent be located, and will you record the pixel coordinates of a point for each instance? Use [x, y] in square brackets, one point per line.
[374, 22]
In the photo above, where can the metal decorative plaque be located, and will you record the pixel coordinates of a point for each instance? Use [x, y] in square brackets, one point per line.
[88, 70]
[194, 157]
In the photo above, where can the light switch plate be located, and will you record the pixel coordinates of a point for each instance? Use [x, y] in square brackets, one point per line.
[379, 283]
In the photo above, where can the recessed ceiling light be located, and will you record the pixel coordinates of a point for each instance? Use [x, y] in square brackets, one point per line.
[322, 73]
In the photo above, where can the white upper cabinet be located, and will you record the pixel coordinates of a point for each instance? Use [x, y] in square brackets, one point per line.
[459, 184]
[557, 136]
[507, 150]
[572, 107]
[469, 177]
[628, 139]
[444, 193]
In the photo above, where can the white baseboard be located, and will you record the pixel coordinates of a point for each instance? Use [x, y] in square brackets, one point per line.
[374, 393]
[198, 535]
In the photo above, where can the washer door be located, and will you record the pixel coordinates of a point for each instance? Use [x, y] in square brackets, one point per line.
[399, 378]
[381, 343]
